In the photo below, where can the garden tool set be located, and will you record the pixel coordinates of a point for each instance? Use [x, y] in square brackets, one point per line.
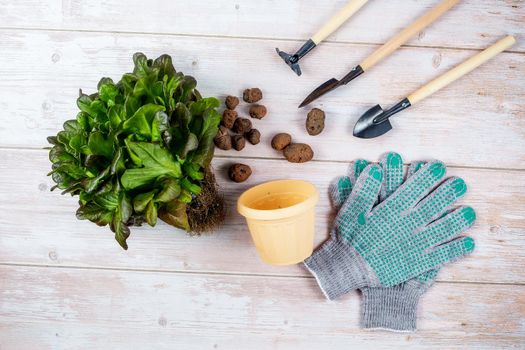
[375, 122]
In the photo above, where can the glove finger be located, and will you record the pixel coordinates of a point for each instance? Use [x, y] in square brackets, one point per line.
[437, 202]
[414, 167]
[362, 198]
[339, 190]
[341, 187]
[446, 228]
[447, 253]
[392, 165]
[416, 187]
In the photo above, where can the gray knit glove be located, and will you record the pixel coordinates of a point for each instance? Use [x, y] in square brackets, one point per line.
[393, 307]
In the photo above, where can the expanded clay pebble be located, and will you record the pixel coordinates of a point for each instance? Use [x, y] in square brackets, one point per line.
[228, 118]
[298, 153]
[239, 172]
[223, 140]
[315, 121]
[280, 141]
[253, 136]
[231, 102]
[238, 142]
[258, 111]
[252, 95]
[242, 125]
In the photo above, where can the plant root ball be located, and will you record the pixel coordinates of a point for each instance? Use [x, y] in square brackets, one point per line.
[228, 118]
[238, 142]
[253, 136]
[258, 111]
[223, 139]
[315, 121]
[252, 95]
[280, 141]
[298, 153]
[242, 125]
[239, 172]
[207, 210]
[231, 102]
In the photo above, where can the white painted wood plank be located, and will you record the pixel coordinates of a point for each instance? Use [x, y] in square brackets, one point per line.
[292, 19]
[50, 308]
[479, 121]
[39, 227]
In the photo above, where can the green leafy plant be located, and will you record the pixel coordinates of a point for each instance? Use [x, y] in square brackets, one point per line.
[140, 149]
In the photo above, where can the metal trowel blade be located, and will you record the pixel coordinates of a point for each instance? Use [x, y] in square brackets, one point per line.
[365, 127]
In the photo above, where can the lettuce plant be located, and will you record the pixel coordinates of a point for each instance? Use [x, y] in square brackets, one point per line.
[138, 149]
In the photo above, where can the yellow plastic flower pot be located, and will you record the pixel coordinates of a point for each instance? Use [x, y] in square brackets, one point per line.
[281, 219]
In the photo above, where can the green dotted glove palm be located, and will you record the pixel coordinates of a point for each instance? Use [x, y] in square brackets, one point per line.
[393, 308]
[398, 239]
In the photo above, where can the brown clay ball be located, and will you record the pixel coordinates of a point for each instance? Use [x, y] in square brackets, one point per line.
[223, 139]
[252, 95]
[280, 141]
[258, 111]
[242, 125]
[238, 142]
[315, 121]
[253, 136]
[228, 118]
[298, 153]
[231, 102]
[239, 172]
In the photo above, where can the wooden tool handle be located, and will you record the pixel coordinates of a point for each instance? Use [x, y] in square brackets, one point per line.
[459, 71]
[403, 36]
[339, 18]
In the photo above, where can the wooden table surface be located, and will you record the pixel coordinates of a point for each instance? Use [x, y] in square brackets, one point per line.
[66, 284]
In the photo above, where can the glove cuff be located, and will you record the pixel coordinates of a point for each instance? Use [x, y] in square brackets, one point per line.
[337, 268]
[392, 308]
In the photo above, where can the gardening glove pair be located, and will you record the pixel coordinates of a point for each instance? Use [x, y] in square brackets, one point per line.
[392, 308]
[395, 242]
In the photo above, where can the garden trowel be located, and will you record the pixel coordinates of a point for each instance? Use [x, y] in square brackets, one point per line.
[384, 51]
[331, 26]
[375, 122]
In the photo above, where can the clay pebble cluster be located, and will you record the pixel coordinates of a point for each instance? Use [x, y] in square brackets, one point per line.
[242, 129]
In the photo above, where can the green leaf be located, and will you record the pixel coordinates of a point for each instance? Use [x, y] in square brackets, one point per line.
[204, 153]
[94, 213]
[174, 213]
[193, 171]
[159, 125]
[84, 104]
[141, 201]
[185, 196]
[151, 213]
[122, 231]
[170, 190]
[187, 185]
[92, 184]
[115, 115]
[154, 155]
[141, 64]
[99, 145]
[58, 154]
[188, 84]
[107, 91]
[165, 66]
[117, 164]
[140, 122]
[198, 108]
